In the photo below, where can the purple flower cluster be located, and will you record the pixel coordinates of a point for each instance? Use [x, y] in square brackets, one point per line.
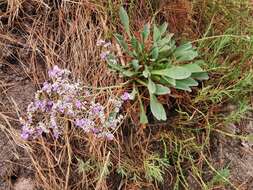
[105, 45]
[63, 99]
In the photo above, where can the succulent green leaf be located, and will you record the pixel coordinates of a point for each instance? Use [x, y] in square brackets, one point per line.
[200, 76]
[146, 72]
[115, 67]
[193, 68]
[164, 41]
[133, 93]
[185, 52]
[156, 33]
[135, 64]
[156, 78]
[163, 28]
[155, 53]
[189, 82]
[143, 116]
[157, 108]
[128, 73]
[161, 90]
[200, 62]
[170, 80]
[176, 72]
[151, 86]
[134, 43]
[146, 32]
[121, 69]
[124, 19]
[182, 86]
[185, 47]
[121, 41]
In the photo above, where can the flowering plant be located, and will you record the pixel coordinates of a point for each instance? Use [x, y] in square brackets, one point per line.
[154, 64]
[62, 99]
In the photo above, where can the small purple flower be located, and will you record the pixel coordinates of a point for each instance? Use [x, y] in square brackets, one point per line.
[49, 105]
[40, 104]
[109, 136]
[61, 106]
[53, 122]
[55, 87]
[37, 104]
[26, 132]
[86, 93]
[39, 131]
[97, 109]
[84, 123]
[104, 55]
[47, 87]
[31, 108]
[126, 96]
[71, 112]
[112, 124]
[100, 42]
[25, 135]
[79, 122]
[29, 118]
[54, 72]
[96, 130]
[78, 104]
[56, 133]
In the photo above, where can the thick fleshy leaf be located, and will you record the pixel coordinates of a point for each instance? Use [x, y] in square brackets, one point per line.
[156, 34]
[133, 93]
[146, 72]
[200, 76]
[124, 19]
[175, 72]
[163, 28]
[155, 53]
[135, 64]
[157, 108]
[115, 67]
[162, 90]
[178, 72]
[145, 32]
[121, 41]
[193, 68]
[121, 69]
[128, 73]
[170, 81]
[164, 41]
[143, 116]
[151, 86]
[182, 86]
[185, 52]
[134, 43]
[189, 82]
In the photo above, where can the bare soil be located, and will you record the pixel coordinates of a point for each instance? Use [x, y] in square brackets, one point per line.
[16, 91]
